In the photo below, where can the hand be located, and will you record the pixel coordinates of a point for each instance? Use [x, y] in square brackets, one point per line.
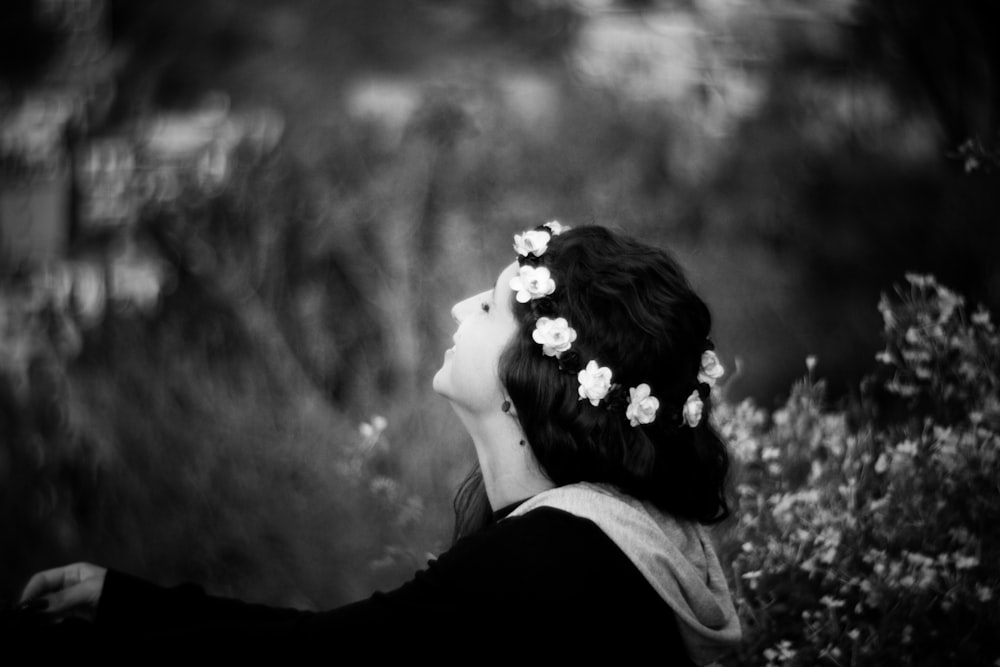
[64, 592]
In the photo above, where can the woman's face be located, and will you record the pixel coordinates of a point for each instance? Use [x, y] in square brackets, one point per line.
[469, 376]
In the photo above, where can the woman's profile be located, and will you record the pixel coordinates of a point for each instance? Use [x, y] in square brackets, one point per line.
[583, 376]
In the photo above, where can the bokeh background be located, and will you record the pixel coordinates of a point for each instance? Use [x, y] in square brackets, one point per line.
[231, 233]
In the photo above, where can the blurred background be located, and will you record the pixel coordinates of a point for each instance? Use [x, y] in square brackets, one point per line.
[231, 233]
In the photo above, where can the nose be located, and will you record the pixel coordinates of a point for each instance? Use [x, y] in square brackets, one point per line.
[460, 310]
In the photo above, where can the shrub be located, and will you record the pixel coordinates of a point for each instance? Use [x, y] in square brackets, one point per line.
[867, 535]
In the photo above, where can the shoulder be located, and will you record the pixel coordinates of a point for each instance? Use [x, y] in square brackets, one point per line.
[543, 555]
[539, 536]
[551, 573]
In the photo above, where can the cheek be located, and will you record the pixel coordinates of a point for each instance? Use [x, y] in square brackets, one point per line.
[469, 377]
[477, 369]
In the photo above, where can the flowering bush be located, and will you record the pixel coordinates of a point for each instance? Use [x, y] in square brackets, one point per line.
[867, 535]
[394, 512]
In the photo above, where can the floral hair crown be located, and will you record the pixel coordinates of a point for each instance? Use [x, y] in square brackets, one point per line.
[534, 283]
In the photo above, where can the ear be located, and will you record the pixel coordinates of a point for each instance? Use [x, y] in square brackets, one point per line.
[508, 407]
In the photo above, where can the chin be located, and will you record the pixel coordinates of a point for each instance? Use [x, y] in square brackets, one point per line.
[441, 387]
[437, 383]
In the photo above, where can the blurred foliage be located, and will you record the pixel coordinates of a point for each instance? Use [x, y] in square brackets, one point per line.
[941, 53]
[27, 44]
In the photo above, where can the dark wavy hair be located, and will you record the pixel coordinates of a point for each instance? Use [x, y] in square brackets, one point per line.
[635, 312]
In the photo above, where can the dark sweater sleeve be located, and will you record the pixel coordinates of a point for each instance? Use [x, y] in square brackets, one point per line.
[131, 603]
[536, 576]
[476, 582]
[464, 591]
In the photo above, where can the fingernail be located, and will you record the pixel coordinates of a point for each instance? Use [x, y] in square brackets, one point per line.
[36, 604]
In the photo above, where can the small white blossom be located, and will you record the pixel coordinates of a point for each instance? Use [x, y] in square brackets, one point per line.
[555, 227]
[595, 382]
[966, 562]
[981, 317]
[641, 407]
[372, 431]
[692, 409]
[534, 243]
[532, 283]
[554, 335]
[711, 369]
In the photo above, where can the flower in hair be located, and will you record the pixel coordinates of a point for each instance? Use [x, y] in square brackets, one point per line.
[711, 369]
[555, 227]
[532, 283]
[595, 382]
[554, 335]
[533, 242]
[641, 406]
[692, 409]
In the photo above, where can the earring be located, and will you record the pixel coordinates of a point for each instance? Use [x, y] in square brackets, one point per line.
[522, 442]
[505, 406]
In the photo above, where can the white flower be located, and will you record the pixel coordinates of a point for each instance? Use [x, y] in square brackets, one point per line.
[555, 227]
[966, 562]
[534, 243]
[555, 336]
[532, 283]
[981, 317]
[641, 406]
[711, 369]
[692, 409]
[595, 382]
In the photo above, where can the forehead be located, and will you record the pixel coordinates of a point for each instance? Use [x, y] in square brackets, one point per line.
[503, 280]
[503, 295]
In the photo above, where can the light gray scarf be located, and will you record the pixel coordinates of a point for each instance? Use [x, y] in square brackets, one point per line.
[676, 557]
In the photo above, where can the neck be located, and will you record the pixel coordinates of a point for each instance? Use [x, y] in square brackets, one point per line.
[510, 470]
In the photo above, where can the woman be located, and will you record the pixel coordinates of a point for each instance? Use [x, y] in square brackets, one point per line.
[583, 377]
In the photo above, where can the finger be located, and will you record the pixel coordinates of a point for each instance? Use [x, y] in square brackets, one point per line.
[81, 597]
[44, 582]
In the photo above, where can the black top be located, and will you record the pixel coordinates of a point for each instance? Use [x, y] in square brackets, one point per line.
[545, 583]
